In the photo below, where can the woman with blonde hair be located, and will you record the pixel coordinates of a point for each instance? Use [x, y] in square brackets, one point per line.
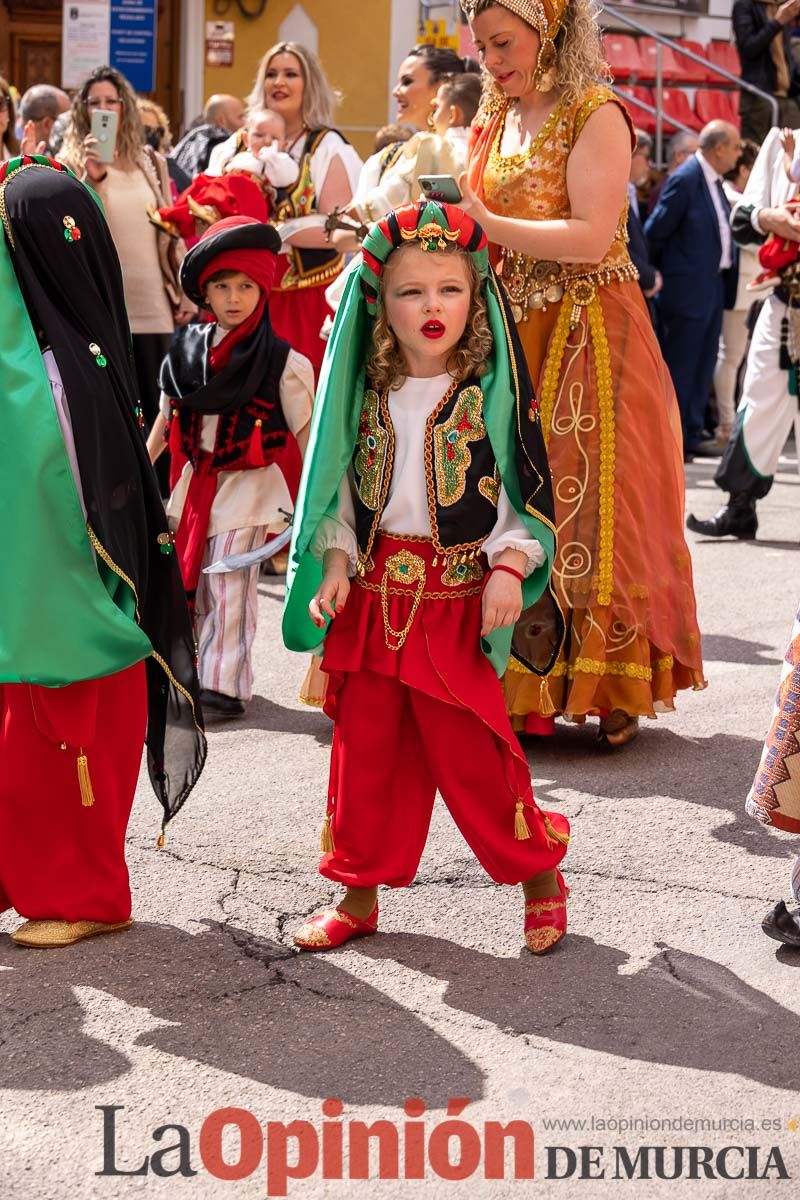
[136, 180]
[547, 180]
[290, 81]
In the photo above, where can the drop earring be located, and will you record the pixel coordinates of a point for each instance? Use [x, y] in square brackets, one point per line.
[546, 75]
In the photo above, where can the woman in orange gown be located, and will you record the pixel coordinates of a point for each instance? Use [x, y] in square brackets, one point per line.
[547, 180]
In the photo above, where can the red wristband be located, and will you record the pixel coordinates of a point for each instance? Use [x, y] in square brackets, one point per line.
[509, 571]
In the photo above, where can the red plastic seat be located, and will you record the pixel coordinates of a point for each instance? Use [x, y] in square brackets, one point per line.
[673, 69]
[694, 72]
[622, 55]
[725, 55]
[712, 105]
[676, 104]
[641, 118]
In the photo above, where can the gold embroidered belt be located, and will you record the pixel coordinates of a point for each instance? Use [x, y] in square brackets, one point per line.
[536, 282]
[409, 566]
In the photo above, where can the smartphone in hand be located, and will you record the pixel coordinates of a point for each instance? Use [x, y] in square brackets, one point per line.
[104, 129]
[440, 187]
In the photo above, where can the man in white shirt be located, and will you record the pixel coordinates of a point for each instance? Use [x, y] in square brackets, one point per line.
[768, 407]
[691, 244]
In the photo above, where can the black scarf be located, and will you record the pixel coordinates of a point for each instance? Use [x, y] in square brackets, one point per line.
[186, 371]
[74, 294]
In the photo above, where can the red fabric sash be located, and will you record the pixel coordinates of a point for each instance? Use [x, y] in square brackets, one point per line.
[190, 540]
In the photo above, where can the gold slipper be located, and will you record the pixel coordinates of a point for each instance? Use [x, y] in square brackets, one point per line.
[46, 934]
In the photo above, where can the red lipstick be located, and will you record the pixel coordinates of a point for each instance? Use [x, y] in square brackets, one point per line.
[433, 329]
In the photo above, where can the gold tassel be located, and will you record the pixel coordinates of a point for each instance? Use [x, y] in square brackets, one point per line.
[553, 836]
[521, 830]
[546, 706]
[85, 781]
[326, 836]
[160, 841]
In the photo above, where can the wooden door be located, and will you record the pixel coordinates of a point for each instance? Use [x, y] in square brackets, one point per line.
[30, 42]
[30, 49]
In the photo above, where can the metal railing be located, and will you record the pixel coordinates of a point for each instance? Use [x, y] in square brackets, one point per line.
[662, 41]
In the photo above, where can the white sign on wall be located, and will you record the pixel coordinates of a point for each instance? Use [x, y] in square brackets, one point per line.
[86, 33]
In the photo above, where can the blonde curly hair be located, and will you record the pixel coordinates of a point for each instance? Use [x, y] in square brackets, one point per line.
[386, 365]
[581, 61]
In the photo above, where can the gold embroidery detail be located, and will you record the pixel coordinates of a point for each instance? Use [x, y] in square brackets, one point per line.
[100, 550]
[457, 573]
[537, 907]
[403, 567]
[552, 370]
[593, 666]
[605, 405]
[392, 591]
[311, 935]
[106, 557]
[541, 939]
[430, 485]
[496, 159]
[339, 914]
[373, 445]
[432, 236]
[451, 445]
[364, 560]
[489, 487]
[3, 209]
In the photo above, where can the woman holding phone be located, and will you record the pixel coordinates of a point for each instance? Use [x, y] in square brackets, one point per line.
[547, 181]
[132, 179]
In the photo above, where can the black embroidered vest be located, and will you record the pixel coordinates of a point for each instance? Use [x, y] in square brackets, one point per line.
[461, 476]
[235, 430]
[307, 268]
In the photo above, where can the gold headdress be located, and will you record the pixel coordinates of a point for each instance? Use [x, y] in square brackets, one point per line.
[547, 17]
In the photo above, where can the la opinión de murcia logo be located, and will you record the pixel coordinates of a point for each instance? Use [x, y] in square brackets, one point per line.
[452, 1148]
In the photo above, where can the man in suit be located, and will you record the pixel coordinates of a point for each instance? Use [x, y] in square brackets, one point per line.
[691, 244]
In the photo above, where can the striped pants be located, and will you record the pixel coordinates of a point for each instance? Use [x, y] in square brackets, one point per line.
[226, 608]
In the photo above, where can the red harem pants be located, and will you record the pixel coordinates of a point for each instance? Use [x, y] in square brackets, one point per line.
[59, 859]
[427, 716]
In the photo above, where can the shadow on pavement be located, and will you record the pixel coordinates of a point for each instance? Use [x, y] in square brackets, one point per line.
[681, 1010]
[240, 1004]
[713, 772]
[262, 713]
[722, 648]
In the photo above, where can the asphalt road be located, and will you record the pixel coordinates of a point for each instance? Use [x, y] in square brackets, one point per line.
[666, 1004]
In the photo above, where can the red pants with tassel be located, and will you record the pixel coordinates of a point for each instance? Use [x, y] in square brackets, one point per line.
[429, 715]
[60, 859]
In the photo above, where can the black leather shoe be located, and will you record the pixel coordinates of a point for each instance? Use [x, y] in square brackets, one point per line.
[725, 523]
[782, 925]
[217, 704]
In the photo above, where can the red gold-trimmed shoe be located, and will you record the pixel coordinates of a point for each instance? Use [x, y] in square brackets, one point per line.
[546, 920]
[333, 928]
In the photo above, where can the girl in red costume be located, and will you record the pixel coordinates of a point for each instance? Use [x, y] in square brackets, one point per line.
[424, 533]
